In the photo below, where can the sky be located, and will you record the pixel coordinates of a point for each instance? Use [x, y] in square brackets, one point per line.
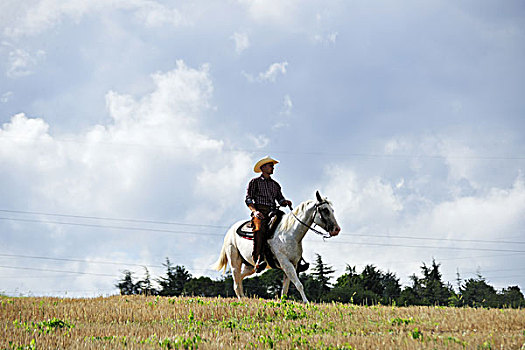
[129, 131]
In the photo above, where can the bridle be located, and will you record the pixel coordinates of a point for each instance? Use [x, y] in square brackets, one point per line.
[317, 205]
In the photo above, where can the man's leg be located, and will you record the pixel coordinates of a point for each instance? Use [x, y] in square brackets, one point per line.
[258, 243]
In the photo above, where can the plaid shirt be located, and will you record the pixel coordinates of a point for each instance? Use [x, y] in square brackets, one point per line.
[264, 191]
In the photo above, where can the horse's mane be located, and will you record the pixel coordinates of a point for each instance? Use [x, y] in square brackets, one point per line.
[289, 220]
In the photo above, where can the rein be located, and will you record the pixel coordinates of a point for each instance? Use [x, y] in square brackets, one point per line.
[323, 234]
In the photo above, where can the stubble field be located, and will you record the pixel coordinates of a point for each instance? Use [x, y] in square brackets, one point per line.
[138, 322]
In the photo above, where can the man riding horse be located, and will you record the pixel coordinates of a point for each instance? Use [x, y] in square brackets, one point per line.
[262, 193]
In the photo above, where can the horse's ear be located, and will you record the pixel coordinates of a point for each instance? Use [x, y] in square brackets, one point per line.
[319, 199]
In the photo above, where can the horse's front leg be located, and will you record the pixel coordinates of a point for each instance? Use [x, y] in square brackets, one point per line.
[291, 273]
[286, 285]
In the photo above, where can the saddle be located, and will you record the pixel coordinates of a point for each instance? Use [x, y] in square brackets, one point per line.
[246, 231]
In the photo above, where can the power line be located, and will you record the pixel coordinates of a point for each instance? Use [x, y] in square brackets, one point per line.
[89, 261]
[60, 271]
[338, 242]
[79, 260]
[436, 247]
[109, 219]
[439, 239]
[172, 146]
[111, 227]
[143, 265]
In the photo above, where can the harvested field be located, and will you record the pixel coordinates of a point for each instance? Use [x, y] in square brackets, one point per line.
[138, 322]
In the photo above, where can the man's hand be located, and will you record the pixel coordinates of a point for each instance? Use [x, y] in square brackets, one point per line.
[258, 214]
[288, 203]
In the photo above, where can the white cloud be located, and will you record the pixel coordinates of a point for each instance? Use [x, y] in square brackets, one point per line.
[33, 17]
[260, 141]
[270, 74]
[242, 42]
[328, 38]
[277, 11]
[151, 158]
[366, 202]
[287, 105]
[154, 14]
[107, 166]
[380, 206]
[493, 214]
[286, 111]
[6, 96]
[22, 63]
[273, 71]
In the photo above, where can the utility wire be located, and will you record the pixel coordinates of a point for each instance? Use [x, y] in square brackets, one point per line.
[60, 271]
[89, 261]
[435, 247]
[78, 260]
[161, 266]
[222, 234]
[112, 227]
[172, 146]
[108, 218]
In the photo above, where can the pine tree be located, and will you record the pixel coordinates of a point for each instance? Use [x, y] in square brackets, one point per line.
[126, 285]
[145, 286]
[319, 284]
[176, 278]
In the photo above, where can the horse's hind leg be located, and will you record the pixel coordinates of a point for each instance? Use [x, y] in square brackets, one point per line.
[247, 270]
[236, 264]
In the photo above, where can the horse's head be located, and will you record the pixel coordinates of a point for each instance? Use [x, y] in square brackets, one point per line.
[325, 216]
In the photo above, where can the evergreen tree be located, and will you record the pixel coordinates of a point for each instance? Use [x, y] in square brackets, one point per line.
[429, 290]
[176, 278]
[372, 286]
[145, 286]
[435, 292]
[476, 292]
[347, 286]
[512, 297]
[322, 273]
[202, 286]
[126, 285]
[391, 287]
[371, 279]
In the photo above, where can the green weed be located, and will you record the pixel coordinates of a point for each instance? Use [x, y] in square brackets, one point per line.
[44, 327]
[417, 334]
[31, 346]
[398, 321]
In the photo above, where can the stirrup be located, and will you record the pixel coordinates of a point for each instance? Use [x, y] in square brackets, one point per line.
[302, 266]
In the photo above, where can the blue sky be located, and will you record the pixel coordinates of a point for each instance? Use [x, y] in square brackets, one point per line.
[409, 116]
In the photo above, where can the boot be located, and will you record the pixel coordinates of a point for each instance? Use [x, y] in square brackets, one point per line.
[261, 266]
[302, 266]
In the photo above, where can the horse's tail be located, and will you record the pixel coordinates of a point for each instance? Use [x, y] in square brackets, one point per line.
[222, 262]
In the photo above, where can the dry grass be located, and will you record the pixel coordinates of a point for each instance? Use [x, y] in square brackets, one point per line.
[138, 322]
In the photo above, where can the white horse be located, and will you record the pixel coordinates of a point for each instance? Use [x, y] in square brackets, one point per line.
[285, 244]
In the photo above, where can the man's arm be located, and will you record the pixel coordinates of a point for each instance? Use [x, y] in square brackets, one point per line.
[250, 201]
[280, 198]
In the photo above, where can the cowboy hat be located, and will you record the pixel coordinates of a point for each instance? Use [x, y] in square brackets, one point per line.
[265, 160]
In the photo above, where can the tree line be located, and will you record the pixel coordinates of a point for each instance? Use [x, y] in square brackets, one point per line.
[371, 286]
